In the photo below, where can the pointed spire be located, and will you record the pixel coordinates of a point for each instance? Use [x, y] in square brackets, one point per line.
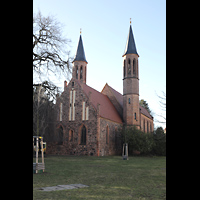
[80, 54]
[130, 44]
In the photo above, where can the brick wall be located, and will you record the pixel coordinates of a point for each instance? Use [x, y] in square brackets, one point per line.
[113, 145]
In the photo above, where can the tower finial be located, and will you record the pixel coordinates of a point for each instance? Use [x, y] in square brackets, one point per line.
[130, 20]
[80, 30]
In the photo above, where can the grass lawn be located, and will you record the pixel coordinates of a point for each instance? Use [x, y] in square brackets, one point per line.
[107, 178]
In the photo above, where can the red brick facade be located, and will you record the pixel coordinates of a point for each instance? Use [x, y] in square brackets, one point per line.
[89, 122]
[96, 125]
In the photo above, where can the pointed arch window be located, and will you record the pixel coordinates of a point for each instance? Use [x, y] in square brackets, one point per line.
[76, 72]
[124, 68]
[60, 135]
[71, 136]
[134, 66]
[81, 72]
[83, 135]
[129, 66]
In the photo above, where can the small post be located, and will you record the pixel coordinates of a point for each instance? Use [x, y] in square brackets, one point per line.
[125, 151]
[36, 171]
[42, 152]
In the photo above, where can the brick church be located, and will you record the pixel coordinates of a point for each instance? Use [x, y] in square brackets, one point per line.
[88, 122]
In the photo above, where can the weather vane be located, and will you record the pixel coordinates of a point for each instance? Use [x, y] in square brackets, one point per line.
[130, 20]
[80, 30]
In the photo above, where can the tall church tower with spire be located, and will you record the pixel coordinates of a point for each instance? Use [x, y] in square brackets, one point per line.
[80, 63]
[131, 82]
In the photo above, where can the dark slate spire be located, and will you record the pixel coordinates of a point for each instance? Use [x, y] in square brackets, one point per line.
[80, 54]
[130, 44]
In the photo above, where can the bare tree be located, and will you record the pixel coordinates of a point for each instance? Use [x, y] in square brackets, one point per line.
[162, 103]
[43, 110]
[49, 47]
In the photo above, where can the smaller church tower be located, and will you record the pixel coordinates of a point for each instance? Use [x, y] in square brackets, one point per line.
[131, 82]
[80, 63]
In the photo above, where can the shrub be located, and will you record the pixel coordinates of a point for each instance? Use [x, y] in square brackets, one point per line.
[138, 140]
[145, 143]
[160, 144]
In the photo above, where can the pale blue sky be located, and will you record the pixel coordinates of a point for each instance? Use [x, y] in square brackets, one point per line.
[105, 26]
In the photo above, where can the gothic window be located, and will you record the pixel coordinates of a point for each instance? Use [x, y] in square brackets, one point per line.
[134, 68]
[135, 115]
[107, 134]
[81, 72]
[129, 67]
[147, 127]
[83, 135]
[124, 68]
[60, 135]
[129, 101]
[144, 126]
[76, 72]
[71, 135]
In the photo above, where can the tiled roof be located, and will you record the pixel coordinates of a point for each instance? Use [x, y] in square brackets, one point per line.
[145, 112]
[117, 95]
[107, 109]
[119, 98]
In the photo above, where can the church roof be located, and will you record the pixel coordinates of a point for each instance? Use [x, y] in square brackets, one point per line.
[107, 109]
[130, 44]
[119, 98]
[80, 53]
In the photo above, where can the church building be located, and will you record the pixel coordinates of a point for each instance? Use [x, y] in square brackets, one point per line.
[88, 122]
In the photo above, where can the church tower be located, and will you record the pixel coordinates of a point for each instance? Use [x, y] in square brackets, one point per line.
[131, 82]
[80, 63]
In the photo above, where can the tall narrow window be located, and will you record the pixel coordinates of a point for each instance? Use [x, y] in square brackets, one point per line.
[71, 136]
[134, 67]
[73, 105]
[129, 67]
[107, 134]
[124, 68]
[129, 101]
[135, 115]
[85, 73]
[60, 135]
[70, 106]
[144, 126]
[83, 111]
[83, 135]
[60, 111]
[81, 72]
[87, 113]
[147, 127]
[76, 72]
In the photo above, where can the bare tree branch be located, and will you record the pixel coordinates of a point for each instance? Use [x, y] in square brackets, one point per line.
[49, 47]
[162, 103]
